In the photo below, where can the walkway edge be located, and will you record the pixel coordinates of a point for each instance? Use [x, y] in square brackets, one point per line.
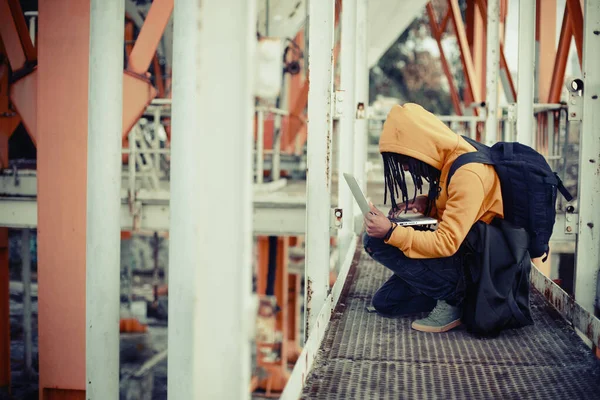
[295, 384]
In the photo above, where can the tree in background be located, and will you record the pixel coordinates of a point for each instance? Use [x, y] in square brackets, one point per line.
[411, 71]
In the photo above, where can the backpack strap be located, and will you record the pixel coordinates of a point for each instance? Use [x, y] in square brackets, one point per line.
[467, 158]
[562, 189]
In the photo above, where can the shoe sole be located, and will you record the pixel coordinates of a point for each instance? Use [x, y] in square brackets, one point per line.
[435, 329]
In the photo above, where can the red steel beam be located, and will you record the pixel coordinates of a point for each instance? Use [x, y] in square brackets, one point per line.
[14, 34]
[437, 34]
[149, 37]
[562, 54]
[129, 29]
[576, 16]
[465, 53]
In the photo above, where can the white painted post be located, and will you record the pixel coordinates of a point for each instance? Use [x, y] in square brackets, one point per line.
[103, 250]
[492, 67]
[318, 184]
[361, 94]
[26, 277]
[526, 73]
[260, 145]
[588, 240]
[210, 262]
[347, 123]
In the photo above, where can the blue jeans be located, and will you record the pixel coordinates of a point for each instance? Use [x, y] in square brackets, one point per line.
[416, 284]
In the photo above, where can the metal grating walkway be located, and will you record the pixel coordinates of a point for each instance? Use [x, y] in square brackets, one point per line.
[366, 356]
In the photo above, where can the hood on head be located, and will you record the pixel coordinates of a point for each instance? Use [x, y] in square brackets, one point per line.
[415, 132]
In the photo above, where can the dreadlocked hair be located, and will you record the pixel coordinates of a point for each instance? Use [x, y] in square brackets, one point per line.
[395, 180]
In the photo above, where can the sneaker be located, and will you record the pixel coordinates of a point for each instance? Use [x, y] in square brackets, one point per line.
[441, 319]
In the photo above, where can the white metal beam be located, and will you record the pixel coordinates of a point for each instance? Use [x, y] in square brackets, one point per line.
[210, 263]
[588, 241]
[492, 67]
[268, 219]
[103, 250]
[347, 121]
[361, 93]
[526, 73]
[318, 182]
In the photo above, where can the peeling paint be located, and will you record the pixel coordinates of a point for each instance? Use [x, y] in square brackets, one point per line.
[566, 305]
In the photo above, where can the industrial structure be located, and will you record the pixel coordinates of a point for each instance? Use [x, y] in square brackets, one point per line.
[194, 122]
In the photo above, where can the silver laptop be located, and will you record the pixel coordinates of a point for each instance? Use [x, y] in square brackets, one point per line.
[407, 219]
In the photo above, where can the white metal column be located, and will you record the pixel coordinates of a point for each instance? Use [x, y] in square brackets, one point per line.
[526, 73]
[318, 185]
[103, 249]
[346, 132]
[588, 241]
[210, 262]
[361, 94]
[491, 71]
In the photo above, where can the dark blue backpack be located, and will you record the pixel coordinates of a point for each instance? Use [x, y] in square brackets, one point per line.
[529, 188]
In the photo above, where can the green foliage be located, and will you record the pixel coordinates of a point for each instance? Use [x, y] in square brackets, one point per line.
[410, 72]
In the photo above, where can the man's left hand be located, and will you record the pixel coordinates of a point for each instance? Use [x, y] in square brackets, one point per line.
[377, 223]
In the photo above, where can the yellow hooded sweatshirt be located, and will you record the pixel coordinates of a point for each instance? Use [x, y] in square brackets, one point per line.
[474, 192]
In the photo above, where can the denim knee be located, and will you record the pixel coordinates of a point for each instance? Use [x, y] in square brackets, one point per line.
[380, 303]
[371, 244]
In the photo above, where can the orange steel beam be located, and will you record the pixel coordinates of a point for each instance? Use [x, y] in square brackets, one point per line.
[13, 31]
[9, 119]
[576, 15]
[300, 100]
[465, 53]
[503, 64]
[149, 37]
[437, 34]
[22, 30]
[546, 38]
[129, 30]
[562, 55]
[62, 165]
[476, 36]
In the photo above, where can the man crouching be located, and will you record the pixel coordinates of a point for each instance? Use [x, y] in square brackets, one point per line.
[427, 265]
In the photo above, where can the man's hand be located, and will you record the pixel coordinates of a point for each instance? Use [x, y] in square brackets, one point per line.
[417, 206]
[377, 224]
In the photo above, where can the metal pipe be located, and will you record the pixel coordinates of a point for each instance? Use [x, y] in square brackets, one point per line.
[26, 277]
[155, 140]
[260, 145]
[131, 162]
[318, 185]
[348, 119]
[473, 130]
[492, 67]
[588, 241]
[203, 266]
[105, 119]
[272, 110]
[32, 27]
[526, 74]
[276, 164]
[362, 94]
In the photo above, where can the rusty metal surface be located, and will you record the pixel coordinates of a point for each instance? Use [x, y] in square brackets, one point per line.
[366, 356]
